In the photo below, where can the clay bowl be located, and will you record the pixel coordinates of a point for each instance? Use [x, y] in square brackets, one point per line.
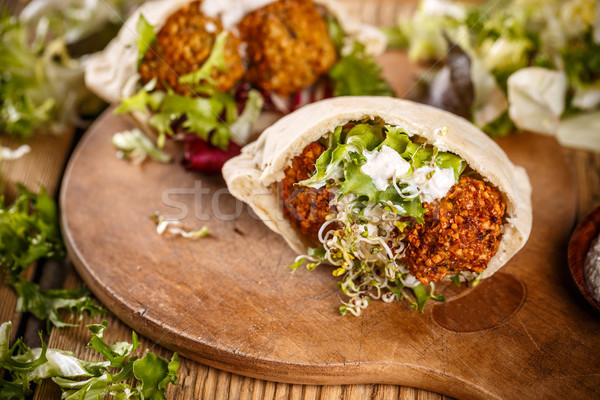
[581, 239]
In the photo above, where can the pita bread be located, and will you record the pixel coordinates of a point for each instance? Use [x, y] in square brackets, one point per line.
[252, 176]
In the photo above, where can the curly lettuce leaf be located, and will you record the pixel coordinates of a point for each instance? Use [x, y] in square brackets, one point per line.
[343, 160]
[24, 365]
[29, 230]
[46, 304]
[360, 137]
[199, 115]
[154, 374]
[118, 353]
[358, 74]
[19, 361]
[41, 86]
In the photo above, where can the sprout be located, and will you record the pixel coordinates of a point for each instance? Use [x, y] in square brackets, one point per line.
[174, 227]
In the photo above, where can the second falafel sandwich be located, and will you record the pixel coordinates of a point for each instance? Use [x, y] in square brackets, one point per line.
[393, 194]
[185, 67]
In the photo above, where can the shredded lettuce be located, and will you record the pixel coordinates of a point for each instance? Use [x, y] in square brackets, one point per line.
[80, 379]
[77, 20]
[46, 304]
[28, 231]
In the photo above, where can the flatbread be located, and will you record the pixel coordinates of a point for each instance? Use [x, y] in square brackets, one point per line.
[252, 176]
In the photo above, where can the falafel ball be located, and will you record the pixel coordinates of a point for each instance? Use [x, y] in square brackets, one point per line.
[305, 207]
[289, 46]
[460, 232]
[183, 44]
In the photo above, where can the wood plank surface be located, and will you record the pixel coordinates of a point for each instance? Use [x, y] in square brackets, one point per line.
[200, 382]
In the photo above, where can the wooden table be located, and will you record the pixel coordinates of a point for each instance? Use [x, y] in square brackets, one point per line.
[196, 381]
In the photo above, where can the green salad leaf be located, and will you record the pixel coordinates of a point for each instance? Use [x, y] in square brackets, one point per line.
[200, 115]
[145, 37]
[154, 374]
[216, 59]
[344, 157]
[29, 231]
[421, 295]
[46, 304]
[80, 379]
[358, 74]
[136, 146]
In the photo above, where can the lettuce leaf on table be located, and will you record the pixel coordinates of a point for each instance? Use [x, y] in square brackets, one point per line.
[80, 379]
[29, 231]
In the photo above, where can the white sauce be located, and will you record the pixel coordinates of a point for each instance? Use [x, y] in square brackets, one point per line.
[231, 11]
[433, 182]
[591, 268]
[210, 27]
[382, 165]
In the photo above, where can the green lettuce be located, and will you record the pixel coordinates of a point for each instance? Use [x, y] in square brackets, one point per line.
[29, 230]
[216, 59]
[358, 74]
[80, 379]
[146, 36]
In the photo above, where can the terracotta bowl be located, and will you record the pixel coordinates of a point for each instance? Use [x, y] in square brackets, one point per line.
[581, 239]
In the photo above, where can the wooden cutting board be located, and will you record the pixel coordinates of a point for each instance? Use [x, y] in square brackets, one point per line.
[227, 300]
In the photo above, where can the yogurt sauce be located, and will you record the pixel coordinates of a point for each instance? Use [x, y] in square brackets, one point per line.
[231, 11]
[382, 165]
[432, 182]
[591, 268]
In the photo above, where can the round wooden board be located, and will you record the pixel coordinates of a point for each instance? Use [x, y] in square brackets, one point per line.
[227, 300]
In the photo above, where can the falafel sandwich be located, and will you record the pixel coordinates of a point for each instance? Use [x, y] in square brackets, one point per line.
[395, 195]
[183, 67]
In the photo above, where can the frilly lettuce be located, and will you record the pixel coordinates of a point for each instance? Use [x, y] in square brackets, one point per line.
[503, 38]
[40, 85]
[212, 116]
[80, 379]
